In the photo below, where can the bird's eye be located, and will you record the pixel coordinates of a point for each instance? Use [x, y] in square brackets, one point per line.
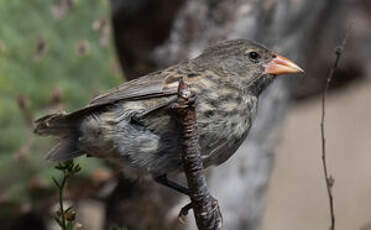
[254, 55]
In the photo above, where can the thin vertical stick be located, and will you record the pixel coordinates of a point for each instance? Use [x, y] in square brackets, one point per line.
[328, 178]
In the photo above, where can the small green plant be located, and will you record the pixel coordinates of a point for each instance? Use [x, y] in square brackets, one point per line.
[65, 217]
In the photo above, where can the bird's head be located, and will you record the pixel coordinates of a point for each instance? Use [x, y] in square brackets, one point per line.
[254, 65]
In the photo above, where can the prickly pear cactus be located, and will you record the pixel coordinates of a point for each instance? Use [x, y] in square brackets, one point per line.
[54, 54]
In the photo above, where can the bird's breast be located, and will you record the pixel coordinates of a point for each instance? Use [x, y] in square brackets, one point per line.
[224, 115]
[223, 107]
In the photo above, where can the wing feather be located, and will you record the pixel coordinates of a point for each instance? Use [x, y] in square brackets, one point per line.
[151, 85]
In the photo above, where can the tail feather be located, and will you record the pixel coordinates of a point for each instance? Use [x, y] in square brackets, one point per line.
[58, 124]
[65, 150]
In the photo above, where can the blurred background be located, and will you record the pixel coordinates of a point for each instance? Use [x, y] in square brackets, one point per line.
[58, 54]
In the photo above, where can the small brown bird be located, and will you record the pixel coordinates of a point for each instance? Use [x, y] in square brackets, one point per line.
[134, 125]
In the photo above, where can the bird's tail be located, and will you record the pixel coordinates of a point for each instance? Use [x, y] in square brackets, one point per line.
[62, 126]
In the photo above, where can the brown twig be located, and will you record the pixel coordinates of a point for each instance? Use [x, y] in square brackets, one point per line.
[328, 178]
[205, 207]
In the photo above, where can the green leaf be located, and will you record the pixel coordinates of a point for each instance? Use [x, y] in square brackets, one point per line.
[69, 226]
[68, 209]
[57, 183]
[59, 222]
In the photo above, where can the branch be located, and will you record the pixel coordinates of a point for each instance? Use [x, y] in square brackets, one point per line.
[205, 207]
[328, 178]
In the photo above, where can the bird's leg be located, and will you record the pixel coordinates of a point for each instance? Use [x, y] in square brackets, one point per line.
[179, 188]
[171, 184]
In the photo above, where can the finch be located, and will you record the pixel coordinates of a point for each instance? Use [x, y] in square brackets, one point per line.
[134, 125]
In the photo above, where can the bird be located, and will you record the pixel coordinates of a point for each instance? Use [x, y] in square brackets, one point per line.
[133, 124]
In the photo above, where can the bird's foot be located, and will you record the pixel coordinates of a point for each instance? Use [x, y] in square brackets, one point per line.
[215, 209]
[184, 212]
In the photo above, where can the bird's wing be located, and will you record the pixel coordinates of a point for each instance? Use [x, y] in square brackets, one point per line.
[148, 86]
[152, 85]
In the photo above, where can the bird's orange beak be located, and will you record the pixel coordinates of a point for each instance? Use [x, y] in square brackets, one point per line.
[281, 65]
